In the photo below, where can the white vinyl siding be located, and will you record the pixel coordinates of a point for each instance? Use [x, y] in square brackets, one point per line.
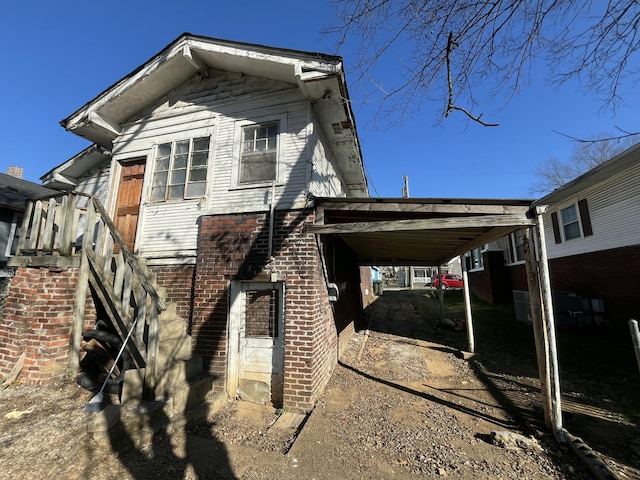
[614, 214]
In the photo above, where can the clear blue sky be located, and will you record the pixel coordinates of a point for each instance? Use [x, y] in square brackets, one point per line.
[56, 56]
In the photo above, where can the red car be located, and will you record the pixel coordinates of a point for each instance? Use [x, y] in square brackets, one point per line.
[449, 280]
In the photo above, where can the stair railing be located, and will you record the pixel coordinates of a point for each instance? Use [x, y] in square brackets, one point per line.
[59, 225]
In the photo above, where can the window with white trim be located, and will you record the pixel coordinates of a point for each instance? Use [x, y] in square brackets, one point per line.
[477, 262]
[259, 153]
[180, 169]
[516, 246]
[572, 221]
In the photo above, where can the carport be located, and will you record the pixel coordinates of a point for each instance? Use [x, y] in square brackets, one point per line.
[432, 231]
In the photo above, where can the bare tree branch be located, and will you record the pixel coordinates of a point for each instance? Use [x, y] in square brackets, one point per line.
[460, 47]
[451, 104]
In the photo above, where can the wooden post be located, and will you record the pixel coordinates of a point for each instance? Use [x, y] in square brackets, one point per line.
[67, 237]
[440, 294]
[467, 305]
[81, 291]
[548, 327]
[539, 332]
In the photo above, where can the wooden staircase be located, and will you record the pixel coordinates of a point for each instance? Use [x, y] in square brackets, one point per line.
[60, 227]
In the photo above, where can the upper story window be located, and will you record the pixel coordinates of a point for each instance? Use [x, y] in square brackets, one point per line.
[180, 169]
[572, 221]
[259, 153]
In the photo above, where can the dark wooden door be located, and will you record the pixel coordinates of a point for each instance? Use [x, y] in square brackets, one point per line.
[128, 200]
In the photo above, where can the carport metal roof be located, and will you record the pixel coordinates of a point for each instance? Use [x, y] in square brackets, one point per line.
[418, 231]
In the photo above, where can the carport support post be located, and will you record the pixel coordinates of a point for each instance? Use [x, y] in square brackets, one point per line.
[547, 331]
[440, 293]
[467, 305]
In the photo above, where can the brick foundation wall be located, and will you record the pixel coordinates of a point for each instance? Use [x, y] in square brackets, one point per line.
[177, 280]
[611, 275]
[37, 320]
[235, 247]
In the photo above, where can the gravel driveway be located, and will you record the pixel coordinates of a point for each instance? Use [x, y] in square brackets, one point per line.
[400, 405]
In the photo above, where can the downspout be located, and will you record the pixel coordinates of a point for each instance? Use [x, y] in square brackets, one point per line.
[272, 208]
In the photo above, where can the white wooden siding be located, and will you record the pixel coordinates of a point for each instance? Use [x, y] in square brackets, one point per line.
[325, 181]
[615, 216]
[292, 164]
[167, 231]
[95, 182]
[170, 232]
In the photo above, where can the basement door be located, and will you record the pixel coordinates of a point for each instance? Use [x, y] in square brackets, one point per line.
[127, 208]
[256, 342]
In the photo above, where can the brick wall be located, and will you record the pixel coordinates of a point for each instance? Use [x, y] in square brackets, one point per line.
[611, 275]
[492, 284]
[37, 319]
[235, 247]
[177, 280]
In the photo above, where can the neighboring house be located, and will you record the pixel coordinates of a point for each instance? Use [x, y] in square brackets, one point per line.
[14, 193]
[208, 158]
[592, 234]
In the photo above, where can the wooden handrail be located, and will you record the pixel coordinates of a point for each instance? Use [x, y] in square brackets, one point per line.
[50, 227]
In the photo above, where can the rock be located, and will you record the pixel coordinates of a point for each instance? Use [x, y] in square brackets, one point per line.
[514, 441]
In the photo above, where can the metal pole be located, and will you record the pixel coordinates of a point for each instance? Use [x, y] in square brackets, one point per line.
[467, 305]
[550, 327]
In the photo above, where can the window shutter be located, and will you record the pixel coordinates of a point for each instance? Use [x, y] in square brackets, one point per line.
[556, 227]
[585, 219]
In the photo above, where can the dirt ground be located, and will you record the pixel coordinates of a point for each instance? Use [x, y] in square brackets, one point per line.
[401, 404]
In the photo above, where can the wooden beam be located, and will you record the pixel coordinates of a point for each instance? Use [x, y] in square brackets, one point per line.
[200, 67]
[105, 123]
[477, 221]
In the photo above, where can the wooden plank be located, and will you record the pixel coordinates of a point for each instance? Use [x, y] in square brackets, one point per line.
[47, 236]
[26, 226]
[107, 297]
[479, 221]
[32, 244]
[441, 206]
[80, 300]
[67, 224]
[131, 259]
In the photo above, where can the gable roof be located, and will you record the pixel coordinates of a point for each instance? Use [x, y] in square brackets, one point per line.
[320, 78]
[14, 192]
[617, 164]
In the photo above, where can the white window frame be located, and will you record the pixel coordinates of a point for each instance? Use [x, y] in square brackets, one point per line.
[480, 250]
[513, 248]
[562, 224]
[280, 149]
[188, 168]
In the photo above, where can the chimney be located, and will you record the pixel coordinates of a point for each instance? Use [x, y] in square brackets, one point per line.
[16, 172]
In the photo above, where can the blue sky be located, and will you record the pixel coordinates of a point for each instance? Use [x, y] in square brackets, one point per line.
[56, 56]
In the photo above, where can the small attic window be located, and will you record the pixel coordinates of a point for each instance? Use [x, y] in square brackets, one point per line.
[337, 128]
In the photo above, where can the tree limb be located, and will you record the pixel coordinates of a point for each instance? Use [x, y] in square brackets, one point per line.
[450, 103]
